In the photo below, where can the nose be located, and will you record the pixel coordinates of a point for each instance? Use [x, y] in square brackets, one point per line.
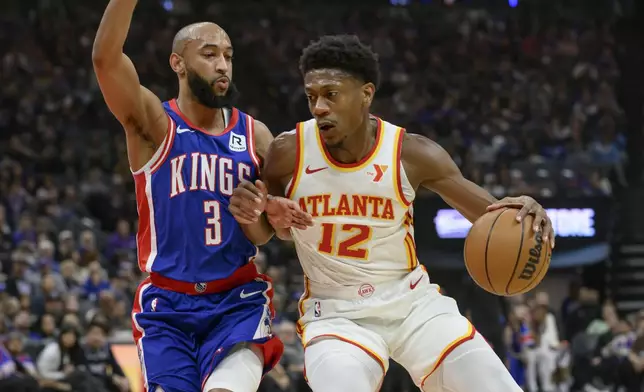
[221, 65]
[320, 108]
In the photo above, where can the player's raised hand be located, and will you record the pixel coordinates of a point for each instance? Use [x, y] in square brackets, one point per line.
[248, 201]
[284, 213]
[529, 206]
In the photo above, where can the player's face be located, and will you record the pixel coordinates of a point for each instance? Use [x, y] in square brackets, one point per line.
[339, 103]
[208, 68]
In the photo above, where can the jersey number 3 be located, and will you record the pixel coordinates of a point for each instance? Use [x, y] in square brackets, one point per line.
[349, 247]
[212, 210]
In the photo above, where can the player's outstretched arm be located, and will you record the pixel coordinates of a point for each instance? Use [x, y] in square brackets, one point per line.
[428, 165]
[137, 108]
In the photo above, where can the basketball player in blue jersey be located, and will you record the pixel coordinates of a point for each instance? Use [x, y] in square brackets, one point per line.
[202, 319]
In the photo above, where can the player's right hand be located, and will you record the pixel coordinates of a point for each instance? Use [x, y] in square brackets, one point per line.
[248, 202]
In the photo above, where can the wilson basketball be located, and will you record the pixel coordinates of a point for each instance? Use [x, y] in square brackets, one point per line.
[506, 257]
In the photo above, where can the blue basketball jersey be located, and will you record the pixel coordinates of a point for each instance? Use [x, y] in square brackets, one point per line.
[186, 232]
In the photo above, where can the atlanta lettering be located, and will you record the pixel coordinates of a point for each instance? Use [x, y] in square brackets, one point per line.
[349, 205]
[207, 172]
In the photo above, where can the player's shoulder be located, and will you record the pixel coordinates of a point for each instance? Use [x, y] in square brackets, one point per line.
[285, 141]
[282, 155]
[262, 135]
[413, 146]
[417, 148]
[422, 157]
[388, 125]
[288, 139]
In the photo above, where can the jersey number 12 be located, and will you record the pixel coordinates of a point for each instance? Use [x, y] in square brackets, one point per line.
[212, 209]
[349, 247]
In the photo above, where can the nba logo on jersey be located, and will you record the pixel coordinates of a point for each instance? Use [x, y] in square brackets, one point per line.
[317, 309]
[237, 142]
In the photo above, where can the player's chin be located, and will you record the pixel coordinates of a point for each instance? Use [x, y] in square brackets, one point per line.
[331, 140]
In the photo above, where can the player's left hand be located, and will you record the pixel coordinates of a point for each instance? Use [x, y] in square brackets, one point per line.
[250, 200]
[529, 206]
[284, 213]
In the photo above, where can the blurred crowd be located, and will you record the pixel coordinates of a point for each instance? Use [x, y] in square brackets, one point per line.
[584, 345]
[522, 108]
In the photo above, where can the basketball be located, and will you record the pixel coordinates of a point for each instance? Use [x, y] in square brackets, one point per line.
[506, 257]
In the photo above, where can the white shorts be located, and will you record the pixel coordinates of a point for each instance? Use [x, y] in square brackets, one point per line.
[407, 320]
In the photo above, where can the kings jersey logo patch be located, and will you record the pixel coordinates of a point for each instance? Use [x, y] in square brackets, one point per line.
[237, 142]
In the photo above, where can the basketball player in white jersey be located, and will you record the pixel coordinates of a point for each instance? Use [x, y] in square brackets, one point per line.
[367, 298]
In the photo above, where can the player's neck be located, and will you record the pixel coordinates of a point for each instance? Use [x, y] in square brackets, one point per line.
[209, 119]
[358, 144]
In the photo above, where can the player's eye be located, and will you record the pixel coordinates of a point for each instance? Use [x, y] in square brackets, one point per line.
[331, 94]
[310, 98]
[208, 55]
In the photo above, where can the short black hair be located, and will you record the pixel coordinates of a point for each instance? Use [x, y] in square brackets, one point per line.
[343, 52]
[100, 325]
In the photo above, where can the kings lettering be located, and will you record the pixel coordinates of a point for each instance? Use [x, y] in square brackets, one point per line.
[206, 172]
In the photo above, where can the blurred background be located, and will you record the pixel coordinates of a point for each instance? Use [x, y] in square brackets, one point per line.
[533, 97]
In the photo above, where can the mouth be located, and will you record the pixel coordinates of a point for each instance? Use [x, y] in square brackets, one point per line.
[222, 83]
[326, 126]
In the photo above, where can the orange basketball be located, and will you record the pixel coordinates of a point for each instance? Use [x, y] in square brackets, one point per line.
[506, 257]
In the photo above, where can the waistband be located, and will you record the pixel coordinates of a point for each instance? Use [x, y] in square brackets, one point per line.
[243, 275]
[367, 289]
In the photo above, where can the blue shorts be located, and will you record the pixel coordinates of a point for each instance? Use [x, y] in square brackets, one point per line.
[182, 338]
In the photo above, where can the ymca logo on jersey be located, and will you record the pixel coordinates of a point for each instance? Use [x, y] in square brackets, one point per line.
[378, 172]
[237, 142]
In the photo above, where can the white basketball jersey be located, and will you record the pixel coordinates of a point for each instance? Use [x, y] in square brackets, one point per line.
[363, 223]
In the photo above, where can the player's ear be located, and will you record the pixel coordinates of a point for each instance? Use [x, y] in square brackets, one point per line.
[178, 64]
[368, 91]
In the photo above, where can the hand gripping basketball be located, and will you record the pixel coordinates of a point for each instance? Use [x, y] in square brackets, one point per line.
[529, 206]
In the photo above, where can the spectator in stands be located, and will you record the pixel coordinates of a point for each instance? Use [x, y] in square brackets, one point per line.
[121, 241]
[293, 358]
[632, 371]
[518, 340]
[612, 355]
[69, 275]
[10, 377]
[63, 360]
[94, 285]
[66, 247]
[45, 329]
[19, 282]
[570, 302]
[22, 324]
[541, 360]
[24, 363]
[277, 380]
[100, 359]
[580, 316]
[88, 250]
